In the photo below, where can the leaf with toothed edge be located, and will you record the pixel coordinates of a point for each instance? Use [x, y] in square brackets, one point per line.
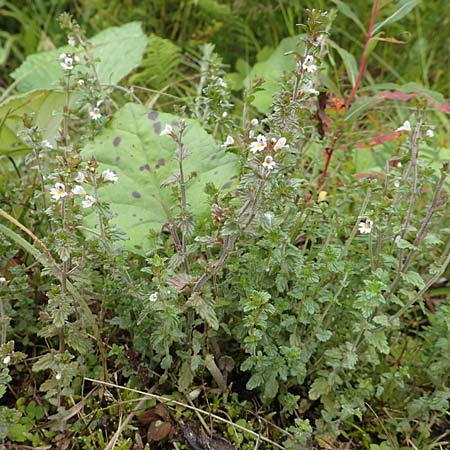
[131, 146]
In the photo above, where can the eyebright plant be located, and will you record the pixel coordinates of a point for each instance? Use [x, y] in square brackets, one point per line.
[307, 288]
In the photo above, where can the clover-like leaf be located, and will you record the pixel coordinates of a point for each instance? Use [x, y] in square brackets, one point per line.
[131, 145]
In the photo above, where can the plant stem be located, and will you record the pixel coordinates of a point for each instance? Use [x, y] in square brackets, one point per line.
[362, 66]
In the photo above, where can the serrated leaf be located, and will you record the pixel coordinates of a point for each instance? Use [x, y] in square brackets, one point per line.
[379, 341]
[205, 309]
[118, 49]
[131, 146]
[404, 8]
[414, 278]
[319, 387]
[47, 106]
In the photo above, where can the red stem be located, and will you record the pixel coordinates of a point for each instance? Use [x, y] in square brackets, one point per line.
[362, 65]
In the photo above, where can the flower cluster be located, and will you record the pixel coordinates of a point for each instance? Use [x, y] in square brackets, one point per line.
[68, 60]
[261, 145]
[59, 190]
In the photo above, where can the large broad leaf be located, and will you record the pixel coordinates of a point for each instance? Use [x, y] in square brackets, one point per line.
[47, 106]
[119, 50]
[271, 70]
[349, 62]
[132, 147]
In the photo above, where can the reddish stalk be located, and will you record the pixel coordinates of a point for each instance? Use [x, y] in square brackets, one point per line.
[362, 66]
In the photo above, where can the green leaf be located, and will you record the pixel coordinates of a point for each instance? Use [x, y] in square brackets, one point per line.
[205, 309]
[379, 341]
[403, 9]
[319, 387]
[119, 50]
[47, 106]
[348, 12]
[349, 60]
[414, 278]
[131, 146]
[271, 70]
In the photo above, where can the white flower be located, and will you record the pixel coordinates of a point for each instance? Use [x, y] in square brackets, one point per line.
[254, 122]
[6, 360]
[405, 127]
[167, 130]
[80, 177]
[429, 133]
[58, 192]
[88, 201]
[259, 145]
[228, 142]
[95, 113]
[153, 297]
[109, 175]
[251, 134]
[308, 65]
[78, 190]
[80, 82]
[46, 144]
[365, 226]
[58, 376]
[2, 280]
[269, 163]
[72, 41]
[397, 183]
[224, 115]
[67, 60]
[281, 143]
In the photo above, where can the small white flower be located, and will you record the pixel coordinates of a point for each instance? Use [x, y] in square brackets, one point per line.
[80, 177]
[429, 133]
[58, 192]
[251, 134]
[88, 201]
[109, 175]
[72, 41]
[229, 141]
[254, 122]
[58, 376]
[269, 163]
[2, 280]
[78, 190]
[308, 65]
[46, 144]
[399, 164]
[259, 145]
[153, 297]
[6, 360]
[80, 82]
[167, 130]
[405, 127]
[67, 60]
[281, 143]
[224, 115]
[365, 226]
[397, 183]
[95, 113]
